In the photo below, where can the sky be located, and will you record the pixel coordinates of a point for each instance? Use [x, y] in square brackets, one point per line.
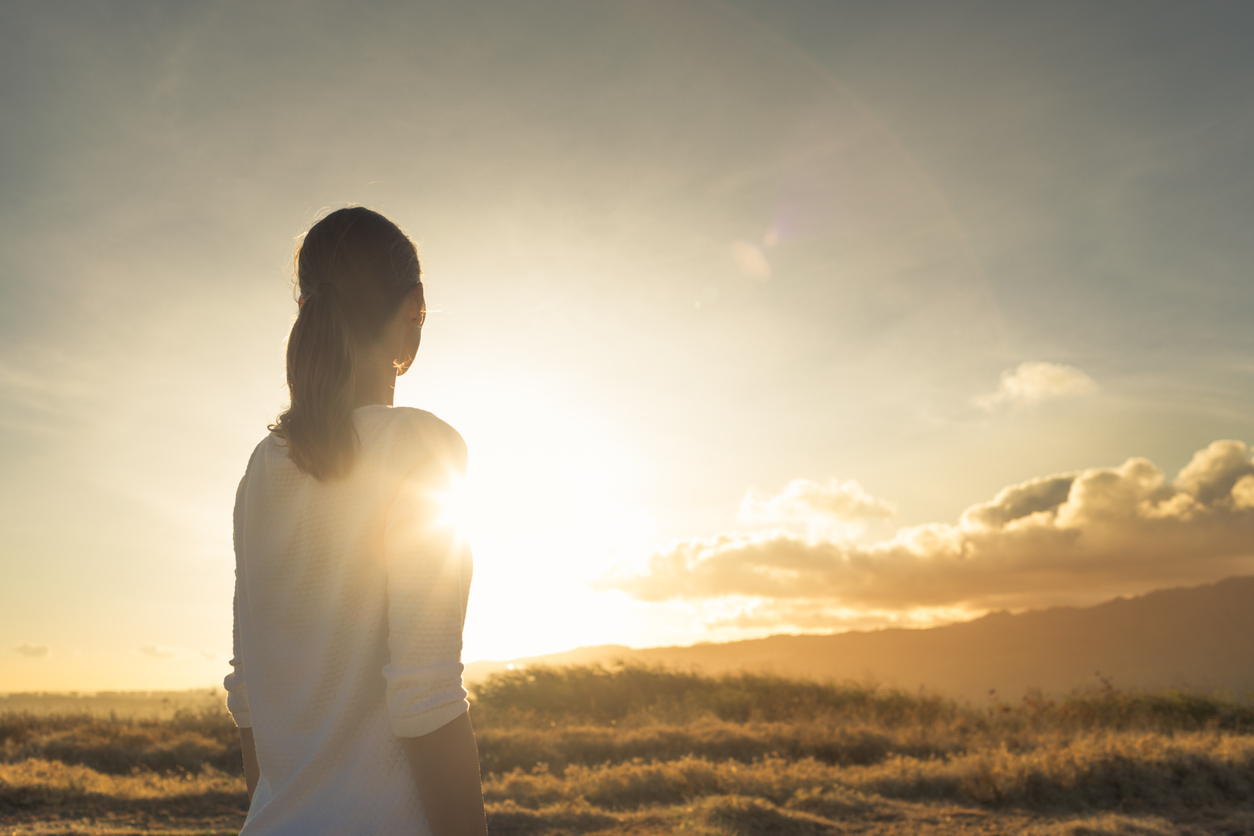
[756, 317]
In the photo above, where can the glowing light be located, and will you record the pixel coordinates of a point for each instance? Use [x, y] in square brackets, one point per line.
[546, 506]
[454, 507]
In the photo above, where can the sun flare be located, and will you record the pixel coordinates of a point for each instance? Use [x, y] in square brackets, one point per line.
[452, 507]
[546, 506]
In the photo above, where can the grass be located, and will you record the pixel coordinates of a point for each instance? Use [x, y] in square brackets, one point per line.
[161, 705]
[1141, 771]
[648, 751]
[189, 742]
[634, 694]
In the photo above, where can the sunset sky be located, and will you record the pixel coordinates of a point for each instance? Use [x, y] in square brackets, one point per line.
[756, 317]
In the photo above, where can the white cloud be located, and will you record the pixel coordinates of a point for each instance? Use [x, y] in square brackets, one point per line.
[830, 510]
[1116, 530]
[1032, 382]
[33, 651]
[1243, 492]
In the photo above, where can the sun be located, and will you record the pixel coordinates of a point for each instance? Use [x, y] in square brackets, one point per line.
[544, 474]
[549, 503]
[452, 507]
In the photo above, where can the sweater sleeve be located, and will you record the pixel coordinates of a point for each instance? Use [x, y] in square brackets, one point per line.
[428, 580]
[236, 687]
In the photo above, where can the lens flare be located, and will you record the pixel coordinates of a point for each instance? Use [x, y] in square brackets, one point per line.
[453, 507]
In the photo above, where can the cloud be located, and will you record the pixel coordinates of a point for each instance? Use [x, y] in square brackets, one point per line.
[33, 651]
[1032, 382]
[833, 509]
[1115, 530]
[159, 652]
[768, 616]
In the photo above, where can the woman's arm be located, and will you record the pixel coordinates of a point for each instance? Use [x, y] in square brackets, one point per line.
[446, 768]
[251, 770]
[236, 687]
[428, 575]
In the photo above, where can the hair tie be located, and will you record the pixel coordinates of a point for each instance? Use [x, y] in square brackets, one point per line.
[300, 301]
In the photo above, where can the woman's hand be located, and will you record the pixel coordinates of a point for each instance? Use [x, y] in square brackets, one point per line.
[251, 770]
[446, 768]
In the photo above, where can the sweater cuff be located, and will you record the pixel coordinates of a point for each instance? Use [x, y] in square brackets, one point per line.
[429, 721]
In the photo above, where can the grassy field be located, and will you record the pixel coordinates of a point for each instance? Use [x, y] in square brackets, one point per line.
[644, 751]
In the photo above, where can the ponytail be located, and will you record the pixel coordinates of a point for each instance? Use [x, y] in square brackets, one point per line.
[354, 268]
[318, 425]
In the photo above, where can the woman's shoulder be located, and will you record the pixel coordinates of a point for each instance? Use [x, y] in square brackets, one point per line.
[268, 459]
[273, 445]
[415, 433]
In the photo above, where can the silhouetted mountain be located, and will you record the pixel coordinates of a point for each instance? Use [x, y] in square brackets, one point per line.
[1195, 638]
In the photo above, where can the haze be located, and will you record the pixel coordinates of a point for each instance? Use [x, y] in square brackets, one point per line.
[756, 318]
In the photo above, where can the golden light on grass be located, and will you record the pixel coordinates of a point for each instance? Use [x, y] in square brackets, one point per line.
[649, 751]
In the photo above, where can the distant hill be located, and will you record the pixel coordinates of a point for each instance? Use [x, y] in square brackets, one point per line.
[1196, 638]
[158, 705]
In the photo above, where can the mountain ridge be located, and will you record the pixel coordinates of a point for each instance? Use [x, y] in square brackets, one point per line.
[1192, 638]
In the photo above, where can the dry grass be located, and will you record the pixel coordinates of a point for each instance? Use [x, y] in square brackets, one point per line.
[1106, 771]
[38, 783]
[503, 749]
[188, 742]
[591, 750]
[40, 796]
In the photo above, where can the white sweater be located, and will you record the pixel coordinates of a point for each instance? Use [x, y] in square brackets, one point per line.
[350, 597]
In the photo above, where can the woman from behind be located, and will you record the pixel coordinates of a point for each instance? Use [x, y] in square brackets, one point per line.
[350, 588]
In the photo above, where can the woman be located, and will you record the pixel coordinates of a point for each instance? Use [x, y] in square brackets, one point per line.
[350, 591]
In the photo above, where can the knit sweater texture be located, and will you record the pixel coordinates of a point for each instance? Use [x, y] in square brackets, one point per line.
[350, 597]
